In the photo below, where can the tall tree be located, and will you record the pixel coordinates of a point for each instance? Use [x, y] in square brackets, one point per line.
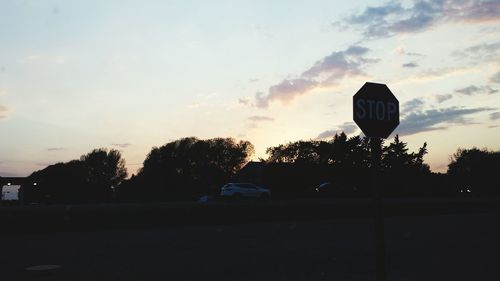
[340, 149]
[89, 179]
[476, 169]
[105, 168]
[189, 167]
[358, 152]
[395, 157]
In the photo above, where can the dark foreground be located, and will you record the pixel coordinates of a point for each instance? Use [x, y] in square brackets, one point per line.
[456, 246]
[56, 218]
[430, 239]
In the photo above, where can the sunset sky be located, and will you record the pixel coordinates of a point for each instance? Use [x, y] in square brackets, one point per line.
[130, 75]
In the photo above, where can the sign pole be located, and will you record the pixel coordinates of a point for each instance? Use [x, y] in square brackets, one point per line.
[376, 112]
[376, 155]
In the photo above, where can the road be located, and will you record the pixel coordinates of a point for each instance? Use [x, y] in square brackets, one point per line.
[439, 247]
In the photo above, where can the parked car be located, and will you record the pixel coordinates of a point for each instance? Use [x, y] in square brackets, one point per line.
[244, 190]
[328, 189]
[325, 188]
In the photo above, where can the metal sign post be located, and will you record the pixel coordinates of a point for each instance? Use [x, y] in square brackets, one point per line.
[378, 204]
[376, 112]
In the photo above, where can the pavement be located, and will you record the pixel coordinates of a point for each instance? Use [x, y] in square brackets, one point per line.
[85, 217]
[432, 247]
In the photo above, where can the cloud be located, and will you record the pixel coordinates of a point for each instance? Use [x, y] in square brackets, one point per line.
[481, 51]
[476, 11]
[348, 128]
[55, 148]
[402, 51]
[434, 74]
[256, 118]
[422, 16]
[410, 65]
[413, 105]
[417, 120]
[495, 78]
[339, 63]
[4, 111]
[436, 119]
[473, 90]
[324, 73]
[252, 126]
[495, 115]
[373, 19]
[121, 145]
[393, 18]
[244, 101]
[468, 91]
[442, 98]
[485, 48]
[285, 91]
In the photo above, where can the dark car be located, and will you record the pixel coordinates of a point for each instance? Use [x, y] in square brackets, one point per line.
[328, 189]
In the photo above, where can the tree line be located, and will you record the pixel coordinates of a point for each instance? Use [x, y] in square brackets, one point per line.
[92, 178]
[350, 153]
[187, 168]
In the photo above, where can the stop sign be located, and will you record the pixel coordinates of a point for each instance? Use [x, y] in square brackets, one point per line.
[376, 110]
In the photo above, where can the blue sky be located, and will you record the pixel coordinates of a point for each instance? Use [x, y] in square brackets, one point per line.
[130, 75]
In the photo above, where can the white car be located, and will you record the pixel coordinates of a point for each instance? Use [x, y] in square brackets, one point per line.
[244, 190]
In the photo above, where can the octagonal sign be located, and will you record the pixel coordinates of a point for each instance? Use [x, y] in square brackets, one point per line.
[376, 110]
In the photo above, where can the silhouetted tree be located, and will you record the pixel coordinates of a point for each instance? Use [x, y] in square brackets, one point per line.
[105, 171]
[418, 159]
[341, 160]
[86, 180]
[297, 152]
[105, 168]
[475, 170]
[189, 167]
[404, 173]
[395, 157]
[340, 151]
[59, 183]
[358, 152]
[349, 160]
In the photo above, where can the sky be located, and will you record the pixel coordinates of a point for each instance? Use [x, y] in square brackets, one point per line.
[132, 75]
